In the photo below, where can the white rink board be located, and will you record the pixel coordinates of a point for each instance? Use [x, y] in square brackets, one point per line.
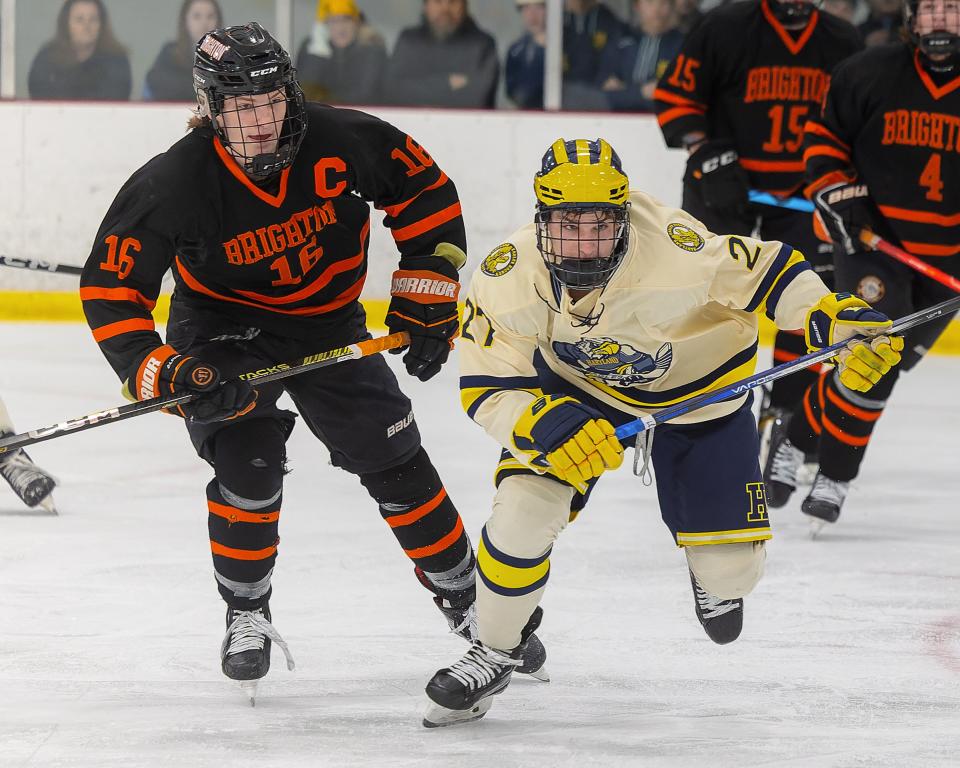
[110, 622]
[63, 165]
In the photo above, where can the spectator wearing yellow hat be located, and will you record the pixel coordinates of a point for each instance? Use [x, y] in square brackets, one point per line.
[343, 61]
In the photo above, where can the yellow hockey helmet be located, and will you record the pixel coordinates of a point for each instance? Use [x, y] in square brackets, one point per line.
[581, 173]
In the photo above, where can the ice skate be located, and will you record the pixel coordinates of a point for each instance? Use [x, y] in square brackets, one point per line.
[461, 615]
[823, 503]
[782, 465]
[721, 619]
[464, 691]
[28, 481]
[245, 651]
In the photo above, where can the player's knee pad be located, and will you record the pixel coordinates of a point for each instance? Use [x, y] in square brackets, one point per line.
[249, 458]
[727, 571]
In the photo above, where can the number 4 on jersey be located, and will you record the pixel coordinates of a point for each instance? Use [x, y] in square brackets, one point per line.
[930, 178]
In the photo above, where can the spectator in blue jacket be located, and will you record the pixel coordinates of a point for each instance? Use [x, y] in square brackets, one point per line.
[525, 59]
[630, 69]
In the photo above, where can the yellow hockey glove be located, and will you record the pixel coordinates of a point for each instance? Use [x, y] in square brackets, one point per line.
[571, 440]
[838, 316]
[864, 363]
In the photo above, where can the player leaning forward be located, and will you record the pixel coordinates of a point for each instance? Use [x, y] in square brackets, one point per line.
[263, 213]
[609, 306]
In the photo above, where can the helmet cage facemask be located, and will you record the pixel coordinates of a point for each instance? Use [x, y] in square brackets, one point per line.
[937, 42]
[582, 273]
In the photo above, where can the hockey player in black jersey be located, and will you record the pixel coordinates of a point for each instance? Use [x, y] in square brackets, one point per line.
[736, 97]
[262, 213]
[884, 154]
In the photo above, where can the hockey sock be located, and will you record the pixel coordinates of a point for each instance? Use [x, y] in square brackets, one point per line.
[415, 505]
[244, 504]
[786, 392]
[805, 429]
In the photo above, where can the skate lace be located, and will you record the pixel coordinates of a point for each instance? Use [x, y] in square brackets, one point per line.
[831, 491]
[786, 463]
[467, 621]
[480, 665]
[21, 473]
[247, 632]
[712, 606]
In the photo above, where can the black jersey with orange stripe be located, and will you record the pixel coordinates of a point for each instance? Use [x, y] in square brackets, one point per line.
[290, 258]
[742, 77]
[895, 126]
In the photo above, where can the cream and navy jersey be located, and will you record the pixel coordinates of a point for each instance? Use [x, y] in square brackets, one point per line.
[743, 77]
[678, 317]
[290, 259]
[893, 125]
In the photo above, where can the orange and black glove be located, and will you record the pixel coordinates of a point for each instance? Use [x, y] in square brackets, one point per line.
[165, 372]
[423, 303]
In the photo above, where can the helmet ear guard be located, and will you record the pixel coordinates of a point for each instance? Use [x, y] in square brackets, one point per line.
[576, 179]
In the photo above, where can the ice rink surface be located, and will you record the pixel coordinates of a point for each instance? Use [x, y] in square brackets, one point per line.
[110, 623]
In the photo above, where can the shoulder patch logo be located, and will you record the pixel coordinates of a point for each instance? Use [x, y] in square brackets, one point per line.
[685, 237]
[500, 261]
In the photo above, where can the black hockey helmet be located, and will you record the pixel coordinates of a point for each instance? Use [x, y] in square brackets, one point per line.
[793, 11]
[247, 61]
[945, 42]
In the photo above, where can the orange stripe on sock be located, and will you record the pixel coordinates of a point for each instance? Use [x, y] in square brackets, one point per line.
[820, 382]
[844, 437]
[439, 546]
[851, 409]
[235, 515]
[242, 554]
[419, 512]
[808, 410]
[782, 356]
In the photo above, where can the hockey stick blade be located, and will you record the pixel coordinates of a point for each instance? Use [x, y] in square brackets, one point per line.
[649, 421]
[36, 265]
[261, 376]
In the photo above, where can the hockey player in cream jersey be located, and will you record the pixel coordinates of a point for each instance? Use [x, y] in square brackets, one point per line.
[610, 305]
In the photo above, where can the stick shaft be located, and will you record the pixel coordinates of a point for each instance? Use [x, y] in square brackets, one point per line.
[743, 386]
[36, 265]
[877, 243]
[262, 376]
[793, 203]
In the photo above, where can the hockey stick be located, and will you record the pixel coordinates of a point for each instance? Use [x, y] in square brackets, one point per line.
[39, 266]
[877, 243]
[649, 421]
[793, 203]
[261, 376]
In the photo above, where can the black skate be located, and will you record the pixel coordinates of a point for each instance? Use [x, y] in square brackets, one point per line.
[824, 501]
[464, 691]
[782, 465]
[461, 616]
[245, 651]
[28, 481]
[721, 619]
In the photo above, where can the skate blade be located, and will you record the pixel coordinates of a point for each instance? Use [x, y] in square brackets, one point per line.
[538, 674]
[440, 717]
[249, 689]
[816, 525]
[47, 505]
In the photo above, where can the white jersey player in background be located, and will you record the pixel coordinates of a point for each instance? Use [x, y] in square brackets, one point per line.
[608, 306]
[28, 481]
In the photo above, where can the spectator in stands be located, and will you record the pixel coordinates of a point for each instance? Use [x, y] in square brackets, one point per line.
[842, 9]
[589, 28]
[630, 68]
[171, 76]
[525, 59]
[689, 13]
[883, 24]
[446, 61]
[344, 60]
[84, 59]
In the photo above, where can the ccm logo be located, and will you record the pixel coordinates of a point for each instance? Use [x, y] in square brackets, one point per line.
[267, 71]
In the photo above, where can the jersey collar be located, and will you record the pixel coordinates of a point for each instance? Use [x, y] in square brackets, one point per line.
[794, 46]
[275, 200]
[937, 91]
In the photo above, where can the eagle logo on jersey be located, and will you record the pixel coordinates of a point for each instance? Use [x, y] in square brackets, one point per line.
[500, 261]
[613, 363]
[685, 237]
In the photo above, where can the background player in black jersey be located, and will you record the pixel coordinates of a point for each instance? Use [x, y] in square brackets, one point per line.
[736, 97]
[882, 155]
[262, 211]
